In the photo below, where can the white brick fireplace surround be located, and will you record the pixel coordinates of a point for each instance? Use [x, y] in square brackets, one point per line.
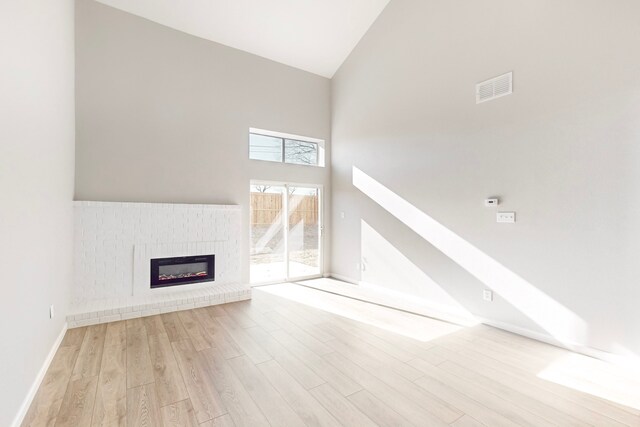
[114, 243]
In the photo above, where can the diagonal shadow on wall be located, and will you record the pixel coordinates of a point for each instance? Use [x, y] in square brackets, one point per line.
[551, 316]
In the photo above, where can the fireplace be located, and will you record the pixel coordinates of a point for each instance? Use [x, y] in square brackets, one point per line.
[182, 270]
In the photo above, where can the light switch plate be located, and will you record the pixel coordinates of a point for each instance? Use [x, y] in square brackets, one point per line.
[506, 217]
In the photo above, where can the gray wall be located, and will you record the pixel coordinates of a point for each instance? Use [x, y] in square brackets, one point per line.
[164, 117]
[563, 152]
[36, 188]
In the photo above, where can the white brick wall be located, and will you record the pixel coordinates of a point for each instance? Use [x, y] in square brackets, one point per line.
[111, 310]
[114, 242]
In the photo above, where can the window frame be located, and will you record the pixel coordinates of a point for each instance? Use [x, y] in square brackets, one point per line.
[283, 137]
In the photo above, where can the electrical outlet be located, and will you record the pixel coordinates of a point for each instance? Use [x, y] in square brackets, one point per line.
[507, 217]
[51, 312]
[487, 295]
[341, 215]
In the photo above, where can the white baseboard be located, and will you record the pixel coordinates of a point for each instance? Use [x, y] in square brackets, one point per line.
[344, 278]
[616, 359]
[381, 296]
[26, 403]
[538, 336]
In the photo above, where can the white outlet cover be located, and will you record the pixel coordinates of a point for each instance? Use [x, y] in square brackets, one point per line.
[506, 217]
[487, 295]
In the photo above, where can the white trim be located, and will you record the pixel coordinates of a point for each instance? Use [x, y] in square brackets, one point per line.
[283, 183]
[268, 283]
[344, 279]
[286, 230]
[617, 359]
[114, 309]
[380, 296]
[302, 278]
[137, 205]
[286, 135]
[28, 400]
[321, 230]
[321, 162]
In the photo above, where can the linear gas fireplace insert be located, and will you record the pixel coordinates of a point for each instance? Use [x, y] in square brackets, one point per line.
[182, 270]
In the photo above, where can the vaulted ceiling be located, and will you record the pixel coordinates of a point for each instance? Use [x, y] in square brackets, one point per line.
[313, 35]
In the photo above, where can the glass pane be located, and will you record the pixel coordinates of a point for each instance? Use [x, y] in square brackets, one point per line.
[267, 233]
[300, 152]
[304, 232]
[182, 271]
[263, 147]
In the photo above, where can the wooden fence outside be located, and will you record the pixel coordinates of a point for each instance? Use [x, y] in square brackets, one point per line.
[266, 208]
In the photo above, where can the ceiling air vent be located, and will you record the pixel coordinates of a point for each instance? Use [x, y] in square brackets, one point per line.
[494, 88]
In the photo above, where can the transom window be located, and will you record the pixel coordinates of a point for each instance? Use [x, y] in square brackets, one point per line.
[285, 148]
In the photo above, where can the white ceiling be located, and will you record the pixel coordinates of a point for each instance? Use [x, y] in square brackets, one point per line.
[313, 35]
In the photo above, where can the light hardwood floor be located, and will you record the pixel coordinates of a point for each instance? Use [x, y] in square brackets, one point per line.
[295, 356]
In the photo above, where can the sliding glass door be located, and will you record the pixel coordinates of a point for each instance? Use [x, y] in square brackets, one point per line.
[286, 232]
[304, 231]
[268, 243]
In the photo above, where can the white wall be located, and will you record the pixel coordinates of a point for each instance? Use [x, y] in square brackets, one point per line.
[164, 116]
[36, 187]
[563, 152]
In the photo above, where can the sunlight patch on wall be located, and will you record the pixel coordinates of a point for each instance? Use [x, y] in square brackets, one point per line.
[553, 317]
[390, 270]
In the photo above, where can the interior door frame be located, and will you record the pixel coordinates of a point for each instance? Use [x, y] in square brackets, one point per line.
[285, 208]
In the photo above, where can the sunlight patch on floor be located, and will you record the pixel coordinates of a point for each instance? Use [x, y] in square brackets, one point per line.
[275, 271]
[410, 325]
[595, 377]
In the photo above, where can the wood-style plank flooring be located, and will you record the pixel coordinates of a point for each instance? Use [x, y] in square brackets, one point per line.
[296, 356]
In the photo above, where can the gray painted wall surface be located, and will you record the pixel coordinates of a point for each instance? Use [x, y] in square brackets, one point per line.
[36, 188]
[163, 116]
[562, 151]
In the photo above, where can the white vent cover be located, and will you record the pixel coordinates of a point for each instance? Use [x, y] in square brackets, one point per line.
[494, 88]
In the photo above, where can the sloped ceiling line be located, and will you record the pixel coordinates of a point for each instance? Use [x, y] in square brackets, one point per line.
[312, 35]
